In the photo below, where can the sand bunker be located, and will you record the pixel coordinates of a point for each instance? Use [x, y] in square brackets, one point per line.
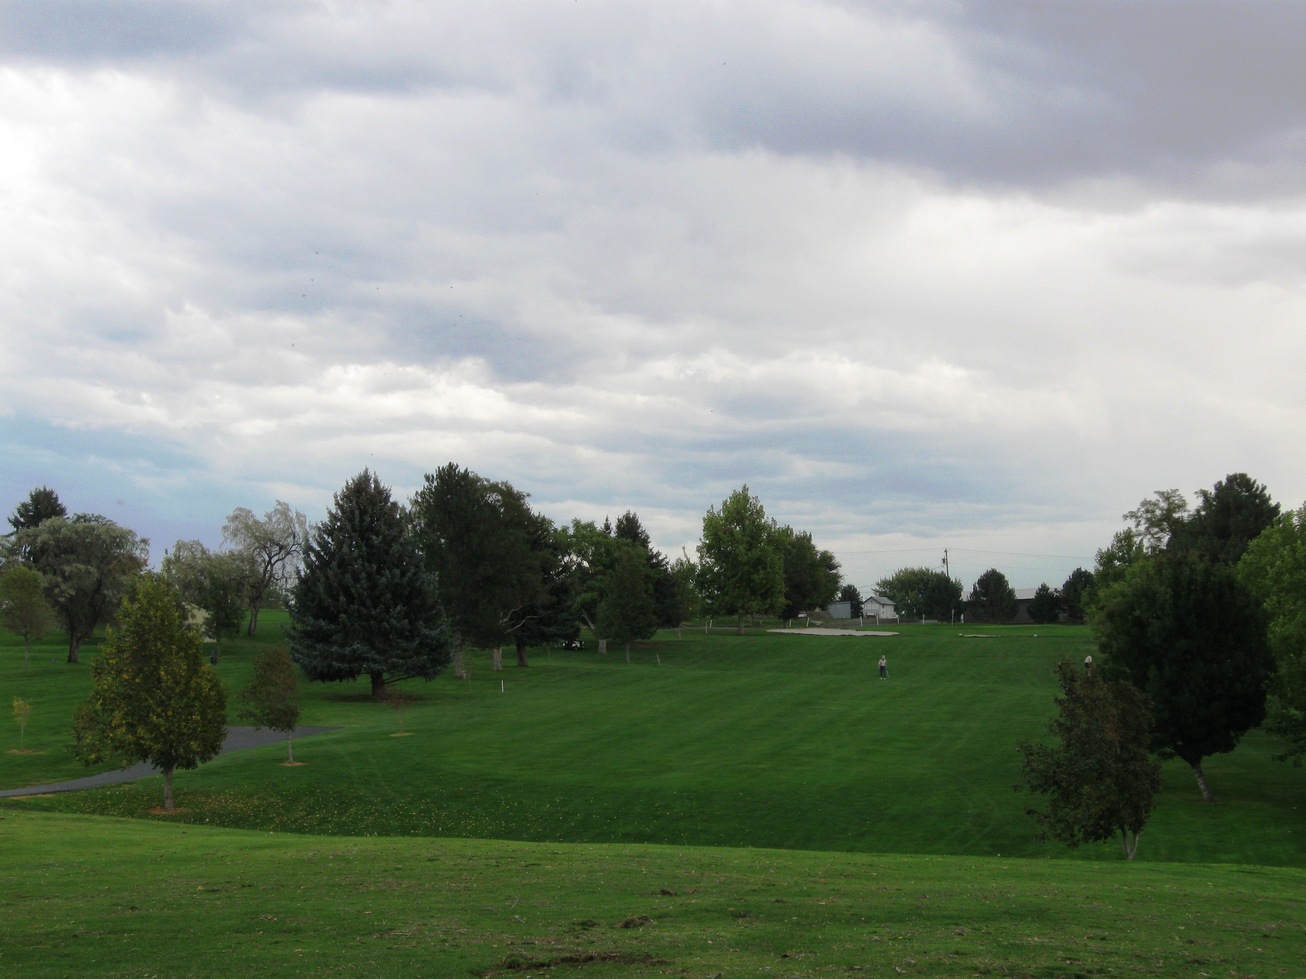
[820, 631]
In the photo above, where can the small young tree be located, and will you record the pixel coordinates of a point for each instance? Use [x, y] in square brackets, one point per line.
[153, 698]
[271, 698]
[23, 608]
[22, 711]
[1099, 778]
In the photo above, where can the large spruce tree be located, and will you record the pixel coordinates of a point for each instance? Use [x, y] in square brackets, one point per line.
[364, 603]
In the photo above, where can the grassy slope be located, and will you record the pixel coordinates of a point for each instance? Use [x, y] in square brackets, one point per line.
[757, 742]
[93, 896]
[771, 741]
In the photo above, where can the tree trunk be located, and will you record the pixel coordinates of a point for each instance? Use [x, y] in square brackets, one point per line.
[459, 666]
[74, 644]
[378, 684]
[741, 623]
[496, 659]
[627, 652]
[167, 788]
[290, 746]
[1201, 781]
[1129, 842]
[27, 650]
[253, 619]
[521, 654]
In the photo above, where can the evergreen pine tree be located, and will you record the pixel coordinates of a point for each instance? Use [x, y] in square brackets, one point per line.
[364, 603]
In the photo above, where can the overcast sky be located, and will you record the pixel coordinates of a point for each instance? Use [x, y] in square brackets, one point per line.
[975, 276]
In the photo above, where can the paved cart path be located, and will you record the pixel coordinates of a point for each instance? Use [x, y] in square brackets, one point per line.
[238, 738]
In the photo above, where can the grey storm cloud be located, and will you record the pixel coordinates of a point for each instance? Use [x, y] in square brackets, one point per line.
[922, 274]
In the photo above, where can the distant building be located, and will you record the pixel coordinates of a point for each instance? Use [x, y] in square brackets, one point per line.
[875, 606]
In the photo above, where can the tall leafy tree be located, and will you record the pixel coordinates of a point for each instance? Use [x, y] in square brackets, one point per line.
[1227, 518]
[811, 575]
[852, 595]
[666, 601]
[551, 618]
[1098, 776]
[490, 554]
[153, 698]
[273, 545]
[23, 606]
[992, 598]
[41, 504]
[741, 565]
[591, 556]
[1113, 562]
[364, 603]
[1158, 518]
[922, 593]
[1192, 639]
[1074, 594]
[626, 613]
[89, 564]
[1274, 569]
[271, 698]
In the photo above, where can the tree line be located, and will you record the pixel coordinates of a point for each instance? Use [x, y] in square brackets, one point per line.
[467, 558]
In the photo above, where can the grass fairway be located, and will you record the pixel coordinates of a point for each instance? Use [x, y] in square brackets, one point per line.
[104, 897]
[747, 806]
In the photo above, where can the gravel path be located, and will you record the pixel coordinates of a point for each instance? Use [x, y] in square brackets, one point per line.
[238, 738]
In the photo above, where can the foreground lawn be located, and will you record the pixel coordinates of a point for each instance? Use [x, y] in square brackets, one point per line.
[106, 897]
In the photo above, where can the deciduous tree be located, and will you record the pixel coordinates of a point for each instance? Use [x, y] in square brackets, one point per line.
[1099, 778]
[849, 593]
[217, 582]
[1274, 569]
[89, 564]
[23, 606]
[153, 698]
[1074, 594]
[1192, 639]
[992, 598]
[490, 554]
[741, 567]
[922, 593]
[273, 545]
[271, 698]
[811, 575]
[626, 612]
[364, 603]
[1157, 519]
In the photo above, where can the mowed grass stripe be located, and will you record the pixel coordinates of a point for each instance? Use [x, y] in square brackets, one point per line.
[762, 740]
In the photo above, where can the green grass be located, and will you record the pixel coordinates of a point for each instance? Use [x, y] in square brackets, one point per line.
[805, 818]
[91, 896]
[709, 740]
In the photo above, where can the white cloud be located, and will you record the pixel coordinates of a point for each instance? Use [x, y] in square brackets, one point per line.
[917, 273]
